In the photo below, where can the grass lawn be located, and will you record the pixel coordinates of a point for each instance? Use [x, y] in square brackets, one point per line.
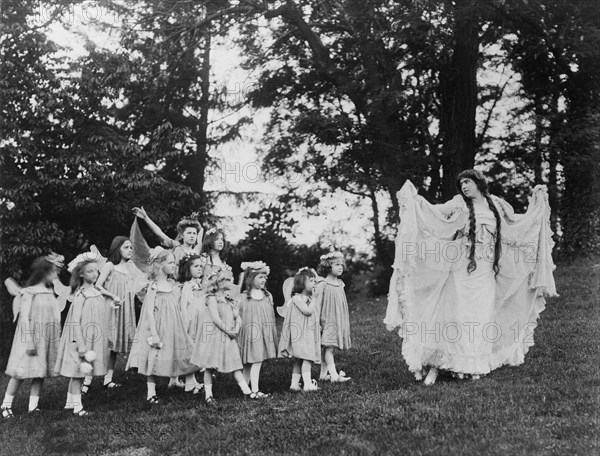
[549, 405]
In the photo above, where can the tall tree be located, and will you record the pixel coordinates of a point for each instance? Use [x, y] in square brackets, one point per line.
[581, 159]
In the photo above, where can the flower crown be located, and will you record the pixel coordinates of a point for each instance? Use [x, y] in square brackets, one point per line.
[259, 266]
[212, 231]
[55, 259]
[215, 275]
[187, 255]
[332, 255]
[81, 258]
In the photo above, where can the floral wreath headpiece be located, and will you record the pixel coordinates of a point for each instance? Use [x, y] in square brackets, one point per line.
[332, 255]
[55, 259]
[81, 258]
[213, 230]
[256, 266]
[215, 276]
[187, 255]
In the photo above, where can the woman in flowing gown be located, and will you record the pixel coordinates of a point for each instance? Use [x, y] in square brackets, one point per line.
[470, 279]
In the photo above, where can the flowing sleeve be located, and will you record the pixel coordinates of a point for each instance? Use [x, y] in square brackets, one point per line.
[141, 249]
[424, 229]
[527, 243]
[525, 278]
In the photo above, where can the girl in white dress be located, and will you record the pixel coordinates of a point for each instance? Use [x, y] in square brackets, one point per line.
[35, 345]
[162, 346]
[216, 348]
[83, 349]
[258, 332]
[300, 334]
[334, 315]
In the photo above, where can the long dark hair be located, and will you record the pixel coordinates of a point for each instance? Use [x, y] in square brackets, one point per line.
[208, 244]
[114, 253]
[479, 179]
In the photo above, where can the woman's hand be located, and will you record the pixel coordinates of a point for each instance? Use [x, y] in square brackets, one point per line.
[140, 212]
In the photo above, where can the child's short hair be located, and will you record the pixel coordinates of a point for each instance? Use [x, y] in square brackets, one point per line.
[114, 253]
[185, 266]
[324, 267]
[300, 280]
[215, 278]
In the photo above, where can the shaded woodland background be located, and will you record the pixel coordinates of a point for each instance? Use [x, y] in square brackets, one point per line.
[362, 95]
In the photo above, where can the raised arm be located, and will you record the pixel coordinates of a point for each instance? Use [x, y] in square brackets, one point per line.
[140, 212]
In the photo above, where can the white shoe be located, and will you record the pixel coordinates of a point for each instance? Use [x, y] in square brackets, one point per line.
[419, 375]
[341, 378]
[295, 388]
[312, 386]
[431, 376]
[176, 384]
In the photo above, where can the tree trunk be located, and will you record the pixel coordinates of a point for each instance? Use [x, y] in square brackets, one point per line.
[458, 94]
[581, 200]
[553, 161]
[538, 146]
[383, 255]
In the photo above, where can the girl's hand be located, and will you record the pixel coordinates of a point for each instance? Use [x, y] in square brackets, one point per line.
[140, 212]
[81, 350]
[117, 301]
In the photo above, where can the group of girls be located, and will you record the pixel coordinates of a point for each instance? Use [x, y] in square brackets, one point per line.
[201, 323]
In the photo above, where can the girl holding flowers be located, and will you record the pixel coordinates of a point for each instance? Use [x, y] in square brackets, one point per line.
[216, 348]
[83, 346]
